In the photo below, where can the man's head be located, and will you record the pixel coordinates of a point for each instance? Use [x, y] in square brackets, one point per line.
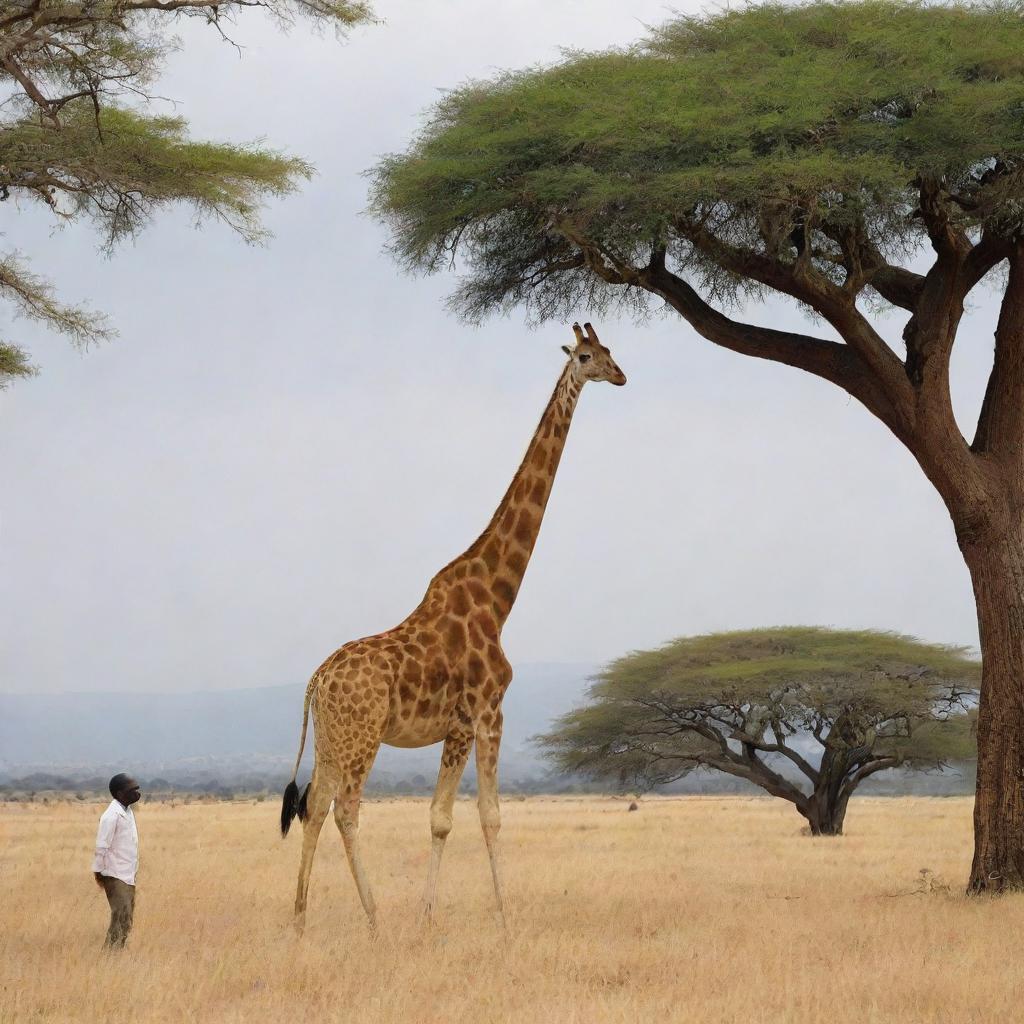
[124, 789]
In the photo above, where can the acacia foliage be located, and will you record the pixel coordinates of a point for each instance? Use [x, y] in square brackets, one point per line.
[79, 133]
[775, 131]
[806, 713]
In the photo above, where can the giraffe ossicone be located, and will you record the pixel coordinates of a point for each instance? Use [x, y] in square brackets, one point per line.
[441, 674]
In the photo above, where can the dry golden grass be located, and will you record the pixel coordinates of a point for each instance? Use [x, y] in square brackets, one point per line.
[698, 909]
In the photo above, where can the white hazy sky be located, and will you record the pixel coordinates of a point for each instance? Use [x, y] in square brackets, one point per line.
[286, 442]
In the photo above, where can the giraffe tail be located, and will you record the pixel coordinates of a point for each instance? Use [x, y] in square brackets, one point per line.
[293, 804]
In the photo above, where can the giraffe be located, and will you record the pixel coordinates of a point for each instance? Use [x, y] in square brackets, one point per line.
[441, 674]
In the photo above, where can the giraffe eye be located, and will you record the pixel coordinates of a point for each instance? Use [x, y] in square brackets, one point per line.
[584, 357]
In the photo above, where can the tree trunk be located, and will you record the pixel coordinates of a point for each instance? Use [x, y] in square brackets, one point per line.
[997, 572]
[825, 808]
[825, 817]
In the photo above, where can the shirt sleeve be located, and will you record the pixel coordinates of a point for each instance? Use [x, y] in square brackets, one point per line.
[104, 837]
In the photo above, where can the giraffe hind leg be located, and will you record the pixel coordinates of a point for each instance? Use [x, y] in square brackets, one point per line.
[358, 725]
[317, 799]
[346, 817]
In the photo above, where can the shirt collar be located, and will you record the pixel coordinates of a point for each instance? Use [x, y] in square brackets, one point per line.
[119, 808]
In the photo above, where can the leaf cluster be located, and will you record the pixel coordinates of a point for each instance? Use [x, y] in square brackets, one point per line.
[779, 129]
[78, 133]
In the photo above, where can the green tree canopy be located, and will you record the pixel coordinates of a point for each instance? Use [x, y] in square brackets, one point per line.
[786, 133]
[806, 150]
[807, 714]
[77, 133]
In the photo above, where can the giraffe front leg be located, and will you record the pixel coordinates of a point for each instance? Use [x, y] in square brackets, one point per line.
[453, 762]
[488, 740]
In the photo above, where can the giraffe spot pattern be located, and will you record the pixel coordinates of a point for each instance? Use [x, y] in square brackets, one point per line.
[505, 592]
[458, 601]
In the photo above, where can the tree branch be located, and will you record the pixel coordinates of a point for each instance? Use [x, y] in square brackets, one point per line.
[865, 264]
[780, 748]
[798, 280]
[948, 239]
[755, 772]
[829, 360]
[742, 765]
[930, 332]
[897, 285]
[801, 281]
[983, 257]
[1000, 430]
[862, 773]
[865, 367]
[31, 90]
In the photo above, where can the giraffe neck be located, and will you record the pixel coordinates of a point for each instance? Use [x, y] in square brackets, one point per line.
[500, 554]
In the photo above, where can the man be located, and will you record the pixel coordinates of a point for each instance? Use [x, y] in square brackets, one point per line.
[117, 857]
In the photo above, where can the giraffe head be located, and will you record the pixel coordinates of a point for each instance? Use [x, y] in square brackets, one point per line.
[590, 359]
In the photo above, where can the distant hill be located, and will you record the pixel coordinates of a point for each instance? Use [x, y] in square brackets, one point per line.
[237, 729]
[225, 741]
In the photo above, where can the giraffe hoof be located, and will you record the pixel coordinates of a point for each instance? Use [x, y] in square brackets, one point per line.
[299, 924]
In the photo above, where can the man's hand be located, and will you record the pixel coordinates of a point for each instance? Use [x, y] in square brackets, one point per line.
[99, 878]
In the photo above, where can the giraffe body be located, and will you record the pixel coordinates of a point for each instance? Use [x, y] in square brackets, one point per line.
[441, 674]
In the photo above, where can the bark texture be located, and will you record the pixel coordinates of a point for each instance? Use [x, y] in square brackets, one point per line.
[997, 572]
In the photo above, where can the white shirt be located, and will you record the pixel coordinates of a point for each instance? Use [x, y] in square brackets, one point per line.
[117, 844]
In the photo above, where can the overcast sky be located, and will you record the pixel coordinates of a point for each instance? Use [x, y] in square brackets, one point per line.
[286, 442]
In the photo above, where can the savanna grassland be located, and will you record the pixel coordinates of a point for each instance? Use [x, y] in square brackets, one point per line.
[694, 909]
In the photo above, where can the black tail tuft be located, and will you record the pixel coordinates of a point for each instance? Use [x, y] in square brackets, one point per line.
[301, 809]
[291, 806]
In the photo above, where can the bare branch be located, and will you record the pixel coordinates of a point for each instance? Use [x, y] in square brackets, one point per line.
[983, 257]
[948, 239]
[781, 748]
[879, 765]
[837, 363]
[31, 90]
[1000, 430]
[896, 285]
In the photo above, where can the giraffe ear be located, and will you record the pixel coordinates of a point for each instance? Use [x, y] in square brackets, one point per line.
[567, 350]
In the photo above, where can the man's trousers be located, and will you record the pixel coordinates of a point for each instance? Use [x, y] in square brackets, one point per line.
[121, 897]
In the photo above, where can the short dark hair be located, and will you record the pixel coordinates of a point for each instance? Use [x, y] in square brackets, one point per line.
[117, 783]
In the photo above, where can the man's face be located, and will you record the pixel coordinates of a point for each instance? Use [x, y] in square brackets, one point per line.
[130, 793]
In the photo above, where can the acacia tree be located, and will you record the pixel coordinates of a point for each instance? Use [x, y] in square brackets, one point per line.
[75, 134]
[807, 151]
[806, 714]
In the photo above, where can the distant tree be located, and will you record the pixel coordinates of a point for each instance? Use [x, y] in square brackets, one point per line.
[251, 783]
[804, 150]
[75, 134]
[832, 706]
